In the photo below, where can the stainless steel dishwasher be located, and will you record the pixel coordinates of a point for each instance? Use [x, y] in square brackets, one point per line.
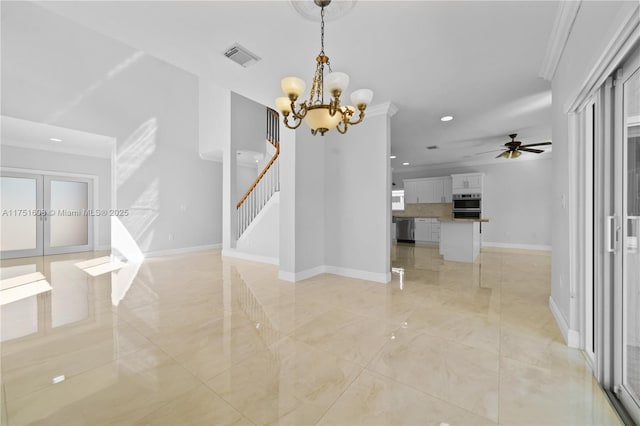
[405, 230]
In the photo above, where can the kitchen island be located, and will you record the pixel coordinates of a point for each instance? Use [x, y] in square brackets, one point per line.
[460, 239]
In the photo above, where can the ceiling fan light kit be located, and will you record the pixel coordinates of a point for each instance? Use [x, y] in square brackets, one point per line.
[514, 148]
[319, 115]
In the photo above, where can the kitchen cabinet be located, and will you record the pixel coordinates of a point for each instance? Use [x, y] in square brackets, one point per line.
[410, 192]
[428, 190]
[427, 230]
[460, 241]
[447, 189]
[468, 183]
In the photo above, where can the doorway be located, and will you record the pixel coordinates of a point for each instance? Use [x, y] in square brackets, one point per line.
[42, 214]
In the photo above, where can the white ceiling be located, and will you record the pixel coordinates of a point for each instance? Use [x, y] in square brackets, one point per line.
[24, 133]
[476, 60]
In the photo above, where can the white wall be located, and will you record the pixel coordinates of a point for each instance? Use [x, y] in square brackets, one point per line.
[67, 75]
[310, 229]
[358, 201]
[592, 31]
[245, 176]
[516, 198]
[288, 170]
[334, 203]
[248, 128]
[35, 159]
[302, 189]
[214, 119]
[248, 123]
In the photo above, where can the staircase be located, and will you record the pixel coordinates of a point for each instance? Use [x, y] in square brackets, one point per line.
[266, 184]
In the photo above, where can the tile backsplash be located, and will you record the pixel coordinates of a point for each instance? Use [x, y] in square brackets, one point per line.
[438, 210]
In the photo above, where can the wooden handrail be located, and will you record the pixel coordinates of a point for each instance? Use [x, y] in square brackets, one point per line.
[255, 182]
[273, 137]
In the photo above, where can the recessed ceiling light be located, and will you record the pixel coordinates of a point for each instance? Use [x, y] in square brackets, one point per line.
[446, 118]
[392, 156]
[55, 139]
[405, 164]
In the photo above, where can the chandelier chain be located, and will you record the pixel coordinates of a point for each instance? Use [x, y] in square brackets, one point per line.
[322, 30]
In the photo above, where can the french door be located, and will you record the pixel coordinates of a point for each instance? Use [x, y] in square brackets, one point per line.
[43, 215]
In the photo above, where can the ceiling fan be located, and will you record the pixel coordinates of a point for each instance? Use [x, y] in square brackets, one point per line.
[514, 148]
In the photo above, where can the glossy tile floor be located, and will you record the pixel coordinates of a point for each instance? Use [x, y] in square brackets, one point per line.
[198, 339]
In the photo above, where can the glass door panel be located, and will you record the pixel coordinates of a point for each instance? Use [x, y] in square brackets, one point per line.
[21, 218]
[68, 227]
[630, 248]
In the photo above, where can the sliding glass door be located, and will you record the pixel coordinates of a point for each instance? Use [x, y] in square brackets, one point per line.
[627, 278]
[44, 215]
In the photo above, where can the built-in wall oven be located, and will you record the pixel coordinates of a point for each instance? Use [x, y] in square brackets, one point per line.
[467, 206]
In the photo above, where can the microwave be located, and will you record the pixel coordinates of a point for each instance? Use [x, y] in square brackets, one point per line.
[467, 202]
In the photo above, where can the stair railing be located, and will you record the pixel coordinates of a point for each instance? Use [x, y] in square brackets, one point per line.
[267, 182]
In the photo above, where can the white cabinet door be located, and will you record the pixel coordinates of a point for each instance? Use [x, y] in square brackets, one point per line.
[438, 191]
[474, 182]
[410, 192]
[425, 191]
[467, 183]
[435, 231]
[459, 182]
[423, 230]
[447, 190]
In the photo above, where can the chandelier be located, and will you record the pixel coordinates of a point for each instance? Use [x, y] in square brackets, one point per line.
[319, 115]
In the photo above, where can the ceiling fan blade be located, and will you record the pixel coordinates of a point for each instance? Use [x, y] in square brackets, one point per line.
[536, 144]
[487, 152]
[501, 154]
[537, 151]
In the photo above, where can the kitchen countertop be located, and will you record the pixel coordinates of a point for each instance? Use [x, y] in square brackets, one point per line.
[440, 218]
[444, 219]
[482, 219]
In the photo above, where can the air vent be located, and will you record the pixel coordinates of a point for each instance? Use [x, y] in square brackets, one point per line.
[241, 56]
[432, 147]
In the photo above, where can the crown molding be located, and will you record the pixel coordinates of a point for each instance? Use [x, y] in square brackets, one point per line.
[624, 39]
[385, 108]
[566, 16]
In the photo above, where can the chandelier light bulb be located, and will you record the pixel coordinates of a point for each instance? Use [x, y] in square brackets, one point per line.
[283, 104]
[362, 97]
[293, 87]
[336, 81]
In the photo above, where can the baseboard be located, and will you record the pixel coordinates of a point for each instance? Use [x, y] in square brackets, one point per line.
[359, 274]
[302, 275]
[182, 250]
[344, 272]
[248, 256]
[517, 246]
[571, 337]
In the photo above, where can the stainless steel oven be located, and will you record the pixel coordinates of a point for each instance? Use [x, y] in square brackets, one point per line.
[467, 206]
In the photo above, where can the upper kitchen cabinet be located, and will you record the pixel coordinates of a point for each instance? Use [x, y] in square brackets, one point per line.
[448, 189]
[468, 183]
[410, 192]
[428, 190]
